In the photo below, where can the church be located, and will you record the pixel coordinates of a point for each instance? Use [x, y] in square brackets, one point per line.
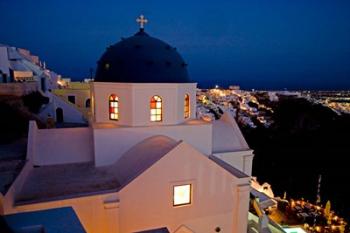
[145, 163]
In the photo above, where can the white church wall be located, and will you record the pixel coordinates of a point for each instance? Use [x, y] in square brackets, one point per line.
[242, 160]
[111, 143]
[184, 89]
[141, 104]
[241, 210]
[210, 183]
[146, 202]
[64, 145]
[101, 92]
[134, 102]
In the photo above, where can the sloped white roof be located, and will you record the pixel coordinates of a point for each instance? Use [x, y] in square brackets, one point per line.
[227, 136]
[141, 156]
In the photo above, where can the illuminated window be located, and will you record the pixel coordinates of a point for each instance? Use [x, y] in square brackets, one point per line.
[156, 108]
[113, 107]
[182, 195]
[187, 106]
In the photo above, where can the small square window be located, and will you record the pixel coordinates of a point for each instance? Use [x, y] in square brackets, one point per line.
[182, 195]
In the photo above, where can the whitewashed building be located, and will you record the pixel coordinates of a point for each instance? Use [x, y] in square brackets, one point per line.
[145, 163]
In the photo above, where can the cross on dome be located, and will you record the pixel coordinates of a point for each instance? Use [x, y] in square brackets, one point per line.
[142, 21]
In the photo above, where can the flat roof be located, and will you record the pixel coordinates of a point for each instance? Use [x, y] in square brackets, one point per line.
[56, 220]
[56, 182]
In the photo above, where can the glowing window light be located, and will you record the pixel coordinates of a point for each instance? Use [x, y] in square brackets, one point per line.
[182, 195]
[187, 106]
[156, 106]
[113, 107]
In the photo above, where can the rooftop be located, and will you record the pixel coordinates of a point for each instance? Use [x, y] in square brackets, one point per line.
[86, 179]
[227, 136]
[50, 221]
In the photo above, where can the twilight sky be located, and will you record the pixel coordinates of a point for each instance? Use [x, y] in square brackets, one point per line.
[275, 44]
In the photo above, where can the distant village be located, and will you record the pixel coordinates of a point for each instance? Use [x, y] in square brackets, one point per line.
[22, 73]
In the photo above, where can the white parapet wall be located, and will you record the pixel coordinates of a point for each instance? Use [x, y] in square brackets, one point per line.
[61, 146]
[112, 142]
[242, 160]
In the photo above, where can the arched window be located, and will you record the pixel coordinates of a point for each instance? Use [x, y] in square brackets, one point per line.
[88, 103]
[187, 106]
[113, 107]
[156, 108]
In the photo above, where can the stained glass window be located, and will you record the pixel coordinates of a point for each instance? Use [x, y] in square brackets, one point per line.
[156, 108]
[113, 107]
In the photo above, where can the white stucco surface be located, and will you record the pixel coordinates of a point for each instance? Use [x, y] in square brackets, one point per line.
[146, 202]
[227, 136]
[81, 179]
[184, 165]
[134, 102]
[61, 146]
[111, 142]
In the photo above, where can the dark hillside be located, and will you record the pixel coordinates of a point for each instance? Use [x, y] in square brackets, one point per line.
[306, 140]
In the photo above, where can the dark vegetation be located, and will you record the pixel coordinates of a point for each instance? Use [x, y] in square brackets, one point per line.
[306, 140]
[16, 112]
[34, 101]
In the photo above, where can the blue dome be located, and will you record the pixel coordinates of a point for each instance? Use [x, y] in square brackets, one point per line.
[141, 59]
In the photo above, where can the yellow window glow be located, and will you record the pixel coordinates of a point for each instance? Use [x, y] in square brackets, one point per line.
[182, 195]
[156, 108]
[187, 106]
[113, 107]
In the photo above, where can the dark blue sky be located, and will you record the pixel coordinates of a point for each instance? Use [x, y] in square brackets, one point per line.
[270, 44]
